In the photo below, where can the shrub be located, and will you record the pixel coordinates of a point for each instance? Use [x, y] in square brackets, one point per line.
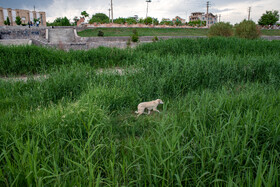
[197, 23]
[178, 22]
[247, 29]
[155, 39]
[128, 43]
[99, 18]
[7, 22]
[221, 29]
[100, 33]
[135, 37]
[18, 20]
[58, 22]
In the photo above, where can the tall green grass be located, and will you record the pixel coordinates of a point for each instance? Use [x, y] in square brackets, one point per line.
[219, 125]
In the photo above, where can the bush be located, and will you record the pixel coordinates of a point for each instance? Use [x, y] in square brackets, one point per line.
[247, 29]
[100, 33]
[99, 18]
[155, 39]
[58, 22]
[135, 37]
[18, 20]
[7, 22]
[221, 29]
[198, 23]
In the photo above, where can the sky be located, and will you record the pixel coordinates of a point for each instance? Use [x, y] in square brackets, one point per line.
[230, 11]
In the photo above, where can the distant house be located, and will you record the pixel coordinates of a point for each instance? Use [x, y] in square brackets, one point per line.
[177, 18]
[165, 19]
[195, 16]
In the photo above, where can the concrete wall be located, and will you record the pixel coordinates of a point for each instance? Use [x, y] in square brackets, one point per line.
[16, 42]
[126, 38]
[22, 32]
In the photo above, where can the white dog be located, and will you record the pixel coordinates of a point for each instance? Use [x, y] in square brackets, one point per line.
[152, 105]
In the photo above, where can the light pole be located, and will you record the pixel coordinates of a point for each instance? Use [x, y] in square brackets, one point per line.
[148, 1]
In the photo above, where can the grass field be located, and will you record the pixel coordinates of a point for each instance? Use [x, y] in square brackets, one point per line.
[219, 125]
[157, 32]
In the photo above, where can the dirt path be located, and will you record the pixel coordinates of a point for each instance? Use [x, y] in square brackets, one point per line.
[24, 78]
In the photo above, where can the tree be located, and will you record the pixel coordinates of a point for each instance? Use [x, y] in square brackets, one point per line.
[60, 22]
[178, 22]
[99, 18]
[130, 21]
[148, 21]
[269, 18]
[18, 20]
[7, 22]
[75, 19]
[84, 14]
[120, 20]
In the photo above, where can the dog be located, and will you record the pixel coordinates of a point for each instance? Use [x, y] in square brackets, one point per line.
[151, 105]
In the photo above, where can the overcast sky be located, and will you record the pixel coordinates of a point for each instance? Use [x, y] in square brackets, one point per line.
[230, 11]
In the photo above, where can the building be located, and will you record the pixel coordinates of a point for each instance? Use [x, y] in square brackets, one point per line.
[195, 16]
[177, 18]
[25, 16]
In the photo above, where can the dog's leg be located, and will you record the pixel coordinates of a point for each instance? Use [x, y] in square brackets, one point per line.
[156, 110]
[149, 111]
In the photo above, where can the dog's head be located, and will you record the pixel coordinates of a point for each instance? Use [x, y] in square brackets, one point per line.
[159, 101]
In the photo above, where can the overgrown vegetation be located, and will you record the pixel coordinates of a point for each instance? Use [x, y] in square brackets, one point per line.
[135, 37]
[144, 32]
[219, 125]
[100, 33]
[221, 29]
[59, 22]
[198, 23]
[247, 29]
[99, 18]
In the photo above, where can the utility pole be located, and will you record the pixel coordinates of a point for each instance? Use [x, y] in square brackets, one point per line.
[112, 11]
[207, 6]
[219, 18]
[109, 14]
[249, 10]
[34, 7]
[148, 1]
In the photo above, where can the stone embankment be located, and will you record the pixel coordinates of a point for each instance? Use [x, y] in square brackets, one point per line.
[66, 38]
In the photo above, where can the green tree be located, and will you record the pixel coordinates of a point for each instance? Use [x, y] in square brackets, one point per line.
[178, 22]
[269, 18]
[18, 20]
[61, 22]
[7, 22]
[130, 21]
[120, 20]
[75, 19]
[148, 21]
[84, 14]
[99, 18]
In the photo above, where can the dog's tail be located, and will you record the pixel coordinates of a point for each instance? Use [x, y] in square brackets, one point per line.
[136, 112]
